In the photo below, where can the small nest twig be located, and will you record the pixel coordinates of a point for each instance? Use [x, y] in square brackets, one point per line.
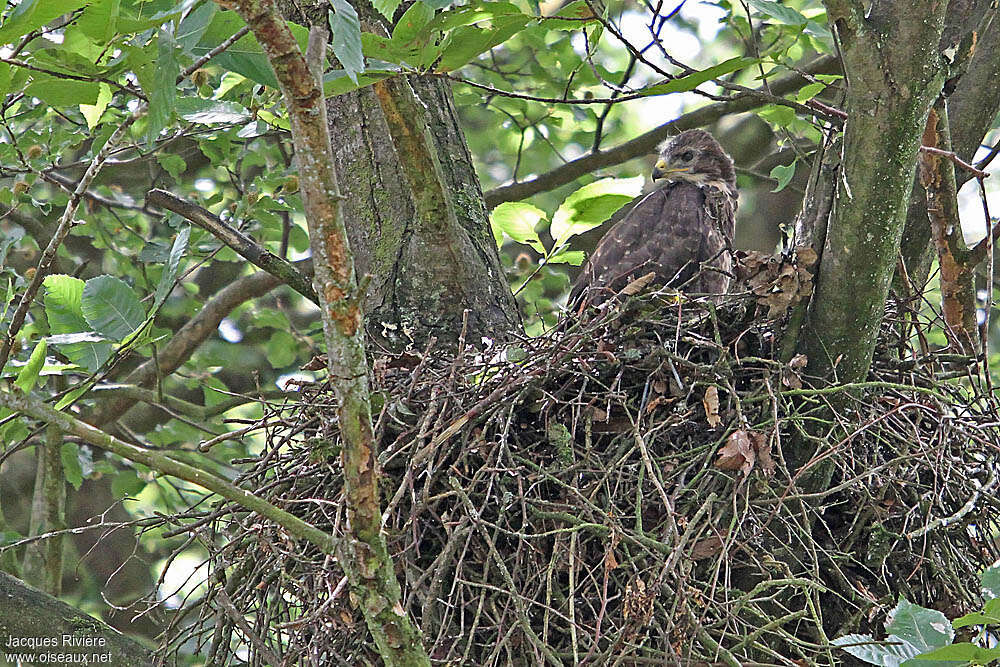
[564, 500]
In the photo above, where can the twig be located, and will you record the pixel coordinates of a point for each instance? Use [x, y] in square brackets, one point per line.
[242, 244]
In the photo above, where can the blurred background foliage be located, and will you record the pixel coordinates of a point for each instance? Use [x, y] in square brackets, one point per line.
[213, 131]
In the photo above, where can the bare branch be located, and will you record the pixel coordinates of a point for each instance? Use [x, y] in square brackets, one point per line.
[646, 143]
[242, 244]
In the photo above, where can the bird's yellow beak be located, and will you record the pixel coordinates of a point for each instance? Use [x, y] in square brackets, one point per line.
[662, 170]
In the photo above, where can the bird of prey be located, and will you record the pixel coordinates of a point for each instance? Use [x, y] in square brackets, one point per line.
[681, 232]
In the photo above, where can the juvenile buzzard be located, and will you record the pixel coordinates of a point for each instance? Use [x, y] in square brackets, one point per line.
[680, 232]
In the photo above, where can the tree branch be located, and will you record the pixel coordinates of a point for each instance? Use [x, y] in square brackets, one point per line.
[29, 613]
[164, 465]
[646, 143]
[365, 559]
[243, 245]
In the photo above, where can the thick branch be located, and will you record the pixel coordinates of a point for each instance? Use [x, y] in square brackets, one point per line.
[936, 174]
[27, 613]
[244, 246]
[367, 563]
[646, 143]
[893, 78]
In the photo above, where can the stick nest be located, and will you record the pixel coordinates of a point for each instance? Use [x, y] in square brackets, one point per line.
[631, 488]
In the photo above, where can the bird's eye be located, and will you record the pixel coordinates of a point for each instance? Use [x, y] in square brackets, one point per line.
[687, 156]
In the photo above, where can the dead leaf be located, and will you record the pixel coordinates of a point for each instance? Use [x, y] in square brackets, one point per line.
[711, 403]
[638, 607]
[737, 453]
[638, 284]
[762, 446]
[806, 256]
[659, 386]
[706, 548]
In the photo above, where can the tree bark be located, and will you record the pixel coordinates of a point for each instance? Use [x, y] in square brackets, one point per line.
[971, 109]
[27, 613]
[415, 214]
[894, 73]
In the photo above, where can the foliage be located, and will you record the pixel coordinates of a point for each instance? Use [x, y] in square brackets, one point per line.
[537, 284]
[921, 637]
[134, 291]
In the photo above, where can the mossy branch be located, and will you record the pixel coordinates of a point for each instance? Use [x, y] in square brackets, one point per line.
[365, 557]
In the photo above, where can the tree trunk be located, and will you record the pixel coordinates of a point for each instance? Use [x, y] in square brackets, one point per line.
[894, 73]
[425, 269]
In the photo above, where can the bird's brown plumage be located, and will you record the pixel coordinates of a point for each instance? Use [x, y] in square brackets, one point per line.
[681, 232]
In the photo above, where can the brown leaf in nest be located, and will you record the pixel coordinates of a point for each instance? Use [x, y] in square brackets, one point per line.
[744, 450]
[638, 284]
[805, 256]
[778, 283]
[737, 453]
[789, 374]
[657, 402]
[610, 562]
[711, 404]
[659, 386]
[638, 607]
[706, 548]
[762, 445]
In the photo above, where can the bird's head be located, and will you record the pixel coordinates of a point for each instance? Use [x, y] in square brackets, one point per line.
[695, 156]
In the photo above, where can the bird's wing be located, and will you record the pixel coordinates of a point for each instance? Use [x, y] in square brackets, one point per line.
[662, 234]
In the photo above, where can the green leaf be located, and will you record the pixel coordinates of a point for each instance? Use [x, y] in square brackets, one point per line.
[281, 349]
[63, 299]
[347, 38]
[412, 22]
[79, 391]
[467, 42]
[127, 484]
[111, 307]
[991, 582]
[93, 112]
[387, 8]
[62, 304]
[990, 615]
[194, 25]
[517, 220]
[777, 114]
[695, 79]
[57, 92]
[573, 257]
[173, 163]
[72, 469]
[30, 14]
[245, 56]
[99, 21]
[889, 652]
[129, 23]
[592, 205]
[28, 376]
[206, 112]
[471, 14]
[783, 175]
[163, 96]
[963, 652]
[809, 91]
[173, 263]
[778, 12]
[924, 628]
